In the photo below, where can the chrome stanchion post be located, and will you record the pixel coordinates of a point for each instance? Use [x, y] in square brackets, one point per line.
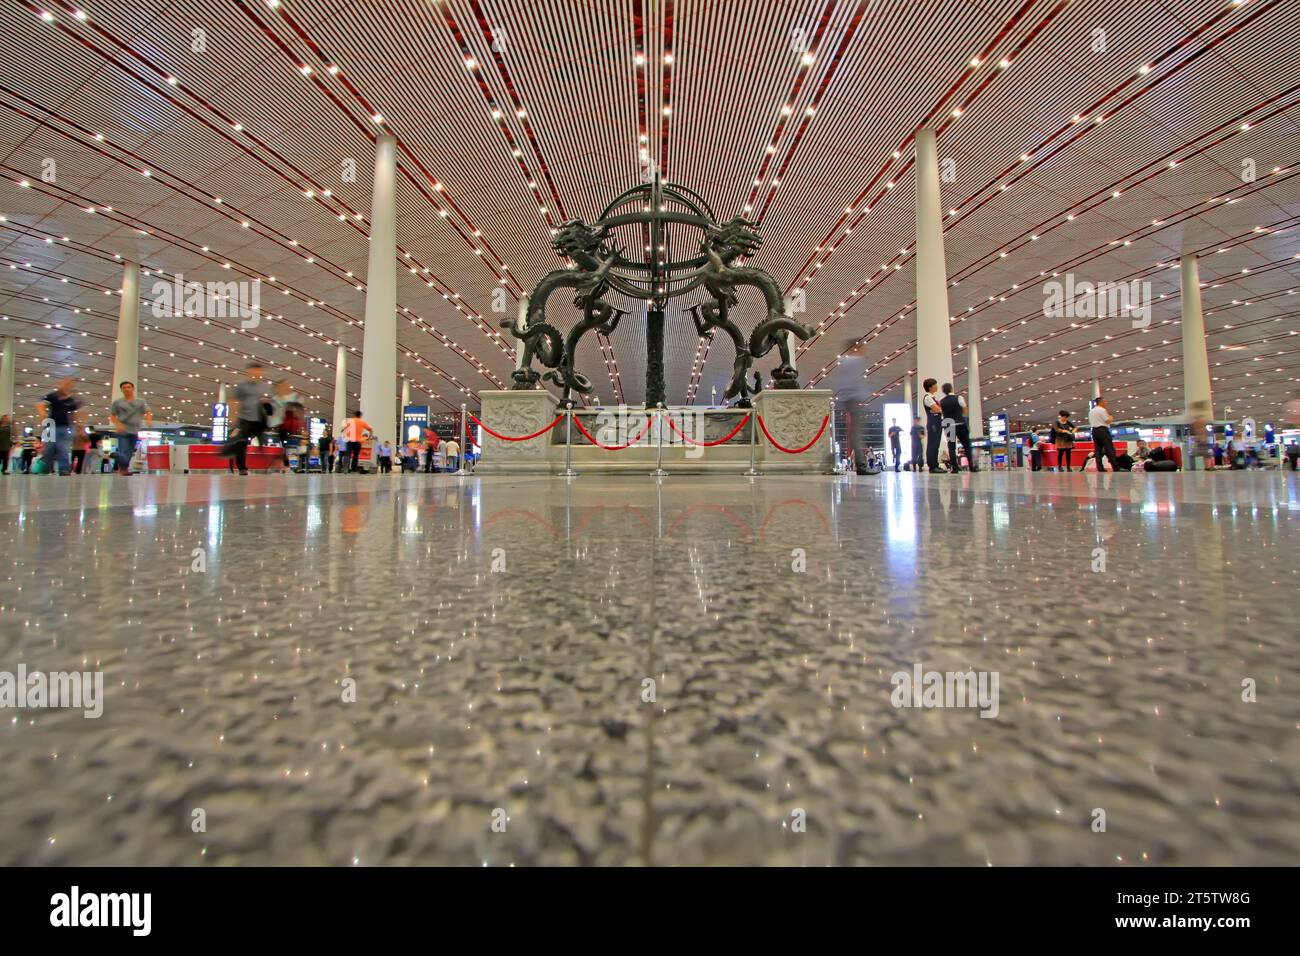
[657, 422]
[753, 472]
[461, 471]
[568, 443]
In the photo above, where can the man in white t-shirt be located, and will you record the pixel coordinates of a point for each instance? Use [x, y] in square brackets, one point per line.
[451, 453]
[1099, 419]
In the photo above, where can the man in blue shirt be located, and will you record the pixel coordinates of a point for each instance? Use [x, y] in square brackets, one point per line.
[60, 406]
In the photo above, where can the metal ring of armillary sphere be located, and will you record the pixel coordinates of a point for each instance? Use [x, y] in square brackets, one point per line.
[659, 218]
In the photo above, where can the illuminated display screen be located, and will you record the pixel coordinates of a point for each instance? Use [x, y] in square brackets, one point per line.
[220, 422]
[415, 419]
[998, 429]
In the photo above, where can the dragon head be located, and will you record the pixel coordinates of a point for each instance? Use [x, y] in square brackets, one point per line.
[733, 239]
[576, 238]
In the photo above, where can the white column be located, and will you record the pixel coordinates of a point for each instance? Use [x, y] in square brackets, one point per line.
[406, 393]
[221, 393]
[340, 387]
[933, 336]
[126, 354]
[907, 392]
[7, 359]
[1096, 386]
[974, 404]
[1196, 364]
[379, 347]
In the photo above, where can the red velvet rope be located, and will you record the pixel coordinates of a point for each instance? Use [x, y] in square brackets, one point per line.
[558, 419]
[709, 444]
[793, 451]
[578, 421]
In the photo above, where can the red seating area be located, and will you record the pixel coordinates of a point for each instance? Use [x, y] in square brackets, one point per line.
[205, 458]
[1084, 448]
[1080, 453]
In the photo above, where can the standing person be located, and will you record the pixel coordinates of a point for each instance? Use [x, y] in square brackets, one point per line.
[341, 451]
[92, 453]
[61, 406]
[1063, 440]
[431, 442]
[128, 414]
[953, 407]
[28, 444]
[6, 442]
[325, 449]
[385, 453]
[1099, 419]
[354, 433]
[249, 395]
[896, 444]
[78, 448]
[452, 453]
[933, 423]
[918, 432]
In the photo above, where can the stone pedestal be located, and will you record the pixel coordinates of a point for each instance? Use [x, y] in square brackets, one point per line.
[793, 417]
[518, 413]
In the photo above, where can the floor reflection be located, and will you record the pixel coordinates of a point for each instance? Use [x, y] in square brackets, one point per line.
[685, 672]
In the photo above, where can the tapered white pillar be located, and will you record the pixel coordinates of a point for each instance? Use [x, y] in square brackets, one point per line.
[933, 335]
[126, 354]
[221, 394]
[1196, 364]
[1096, 387]
[907, 391]
[340, 387]
[974, 403]
[7, 358]
[379, 347]
[406, 394]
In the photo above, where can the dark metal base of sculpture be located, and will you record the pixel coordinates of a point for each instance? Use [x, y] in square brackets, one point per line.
[655, 392]
[600, 266]
[784, 376]
[525, 378]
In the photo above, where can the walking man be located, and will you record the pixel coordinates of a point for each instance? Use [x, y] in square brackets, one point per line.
[1099, 418]
[918, 433]
[127, 414]
[325, 449]
[61, 407]
[249, 395]
[354, 433]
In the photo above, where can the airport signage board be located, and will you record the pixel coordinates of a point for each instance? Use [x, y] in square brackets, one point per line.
[415, 419]
[220, 423]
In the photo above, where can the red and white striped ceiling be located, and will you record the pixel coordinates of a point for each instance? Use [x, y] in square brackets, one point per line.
[215, 139]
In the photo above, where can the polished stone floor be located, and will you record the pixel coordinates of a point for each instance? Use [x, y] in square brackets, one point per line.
[502, 634]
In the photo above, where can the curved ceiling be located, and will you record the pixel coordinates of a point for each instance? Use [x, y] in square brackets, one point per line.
[1098, 138]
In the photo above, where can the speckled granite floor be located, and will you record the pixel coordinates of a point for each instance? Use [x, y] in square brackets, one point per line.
[500, 633]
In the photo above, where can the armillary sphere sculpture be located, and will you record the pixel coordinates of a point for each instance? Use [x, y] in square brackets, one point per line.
[654, 216]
